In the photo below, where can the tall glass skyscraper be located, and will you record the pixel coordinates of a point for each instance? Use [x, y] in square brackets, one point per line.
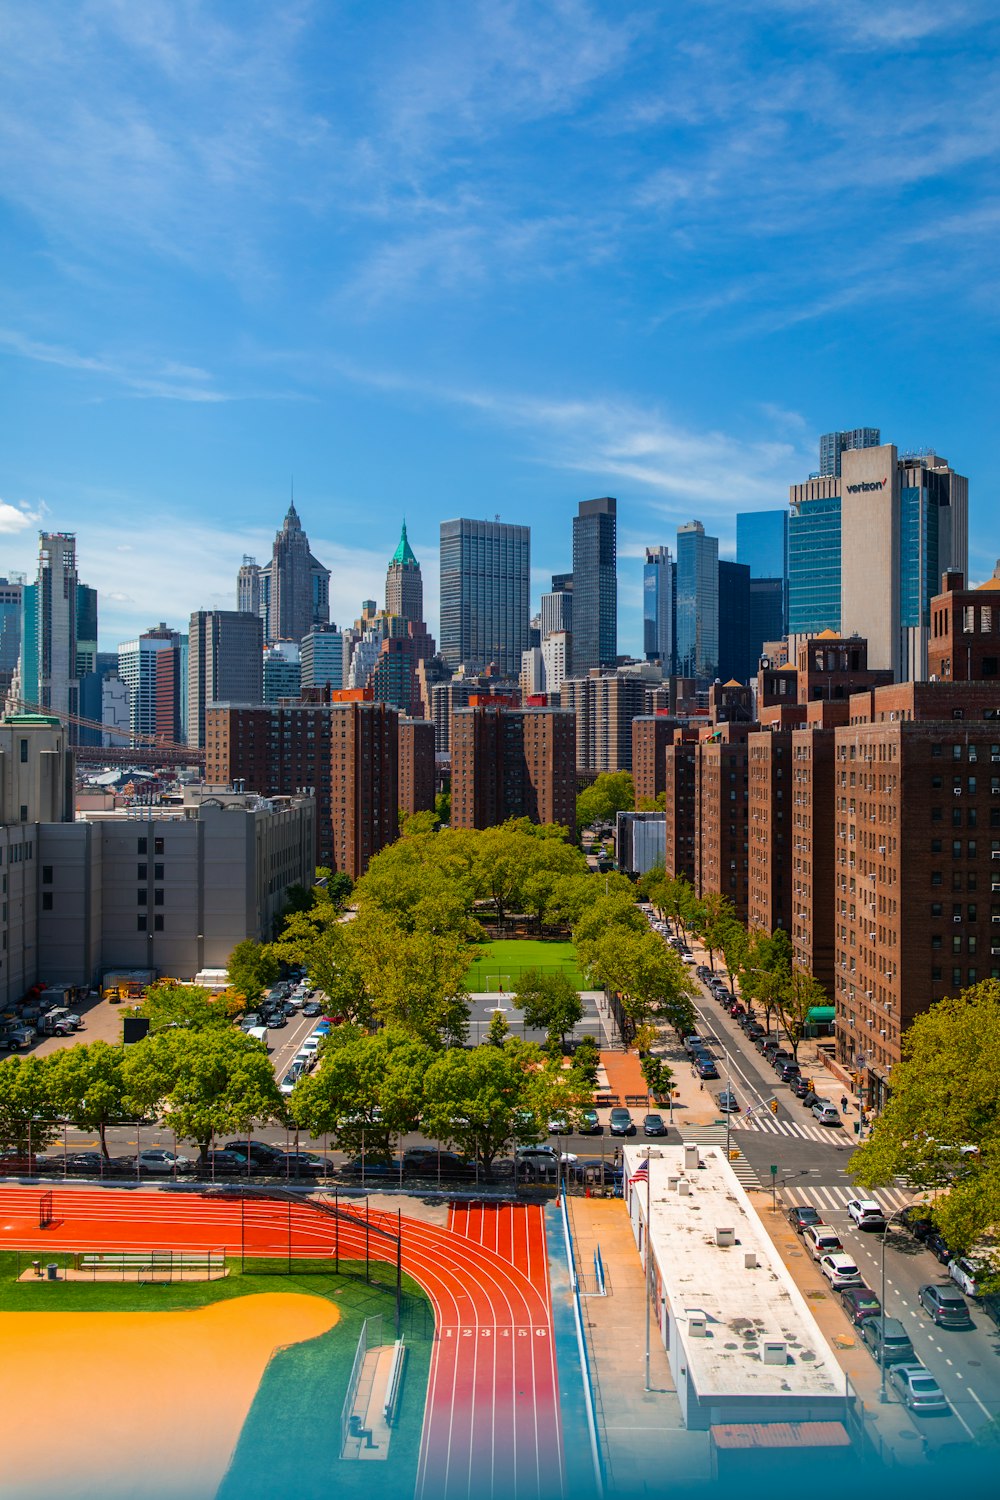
[658, 608]
[814, 563]
[595, 585]
[697, 583]
[485, 594]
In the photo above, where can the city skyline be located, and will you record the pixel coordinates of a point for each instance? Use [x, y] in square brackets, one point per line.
[244, 252]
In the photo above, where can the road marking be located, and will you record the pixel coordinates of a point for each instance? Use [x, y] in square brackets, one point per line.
[964, 1423]
[982, 1407]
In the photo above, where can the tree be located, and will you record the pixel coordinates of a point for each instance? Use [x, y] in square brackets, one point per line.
[168, 1004]
[940, 1128]
[652, 804]
[203, 1082]
[367, 1091]
[711, 919]
[551, 1003]
[587, 1060]
[797, 997]
[647, 975]
[26, 1105]
[411, 825]
[87, 1085]
[327, 948]
[479, 1101]
[766, 969]
[615, 911]
[610, 792]
[657, 1073]
[442, 808]
[414, 980]
[252, 969]
[498, 1030]
[733, 944]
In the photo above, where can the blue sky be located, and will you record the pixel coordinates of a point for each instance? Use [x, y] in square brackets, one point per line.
[473, 259]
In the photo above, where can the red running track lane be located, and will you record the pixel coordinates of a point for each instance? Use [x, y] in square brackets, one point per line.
[491, 1424]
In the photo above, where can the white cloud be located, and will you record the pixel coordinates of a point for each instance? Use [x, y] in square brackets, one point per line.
[16, 518]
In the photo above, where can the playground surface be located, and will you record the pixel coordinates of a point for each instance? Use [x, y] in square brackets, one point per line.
[492, 1421]
[500, 964]
[176, 1389]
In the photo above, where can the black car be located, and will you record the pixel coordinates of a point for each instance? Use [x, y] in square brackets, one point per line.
[311, 1008]
[809, 1098]
[221, 1164]
[800, 1086]
[859, 1303]
[305, 1164]
[788, 1072]
[371, 1167]
[778, 1058]
[262, 1157]
[276, 1020]
[653, 1125]
[803, 1216]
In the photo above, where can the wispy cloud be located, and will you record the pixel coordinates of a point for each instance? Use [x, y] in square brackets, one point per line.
[17, 517]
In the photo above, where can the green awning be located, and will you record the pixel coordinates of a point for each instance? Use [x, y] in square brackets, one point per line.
[822, 1013]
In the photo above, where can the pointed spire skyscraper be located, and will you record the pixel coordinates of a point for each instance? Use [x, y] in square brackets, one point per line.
[404, 586]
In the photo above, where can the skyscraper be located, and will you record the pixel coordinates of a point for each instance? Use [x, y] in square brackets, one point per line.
[225, 664]
[833, 444]
[300, 586]
[658, 608]
[11, 604]
[595, 585]
[47, 672]
[154, 685]
[814, 557]
[404, 587]
[485, 594]
[737, 658]
[557, 610]
[762, 542]
[697, 584]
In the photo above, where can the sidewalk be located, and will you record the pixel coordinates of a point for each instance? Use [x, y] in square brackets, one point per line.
[640, 1431]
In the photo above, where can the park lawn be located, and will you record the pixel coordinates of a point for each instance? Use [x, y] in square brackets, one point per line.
[289, 1445]
[500, 963]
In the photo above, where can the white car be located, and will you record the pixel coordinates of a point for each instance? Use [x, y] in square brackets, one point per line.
[840, 1270]
[966, 1274]
[163, 1162]
[866, 1213]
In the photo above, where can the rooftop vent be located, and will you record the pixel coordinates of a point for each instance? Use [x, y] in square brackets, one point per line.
[774, 1352]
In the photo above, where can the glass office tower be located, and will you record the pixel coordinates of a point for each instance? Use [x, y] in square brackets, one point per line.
[485, 594]
[595, 585]
[658, 608]
[697, 583]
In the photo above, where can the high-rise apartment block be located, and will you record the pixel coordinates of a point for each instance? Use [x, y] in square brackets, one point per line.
[404, 586]
[721, 814]
[513, 763]
[965, 630]
[680, 776]
[346, 751]
[604, 705]
[557, 659]
[697, 602]
[225, 665]
[417, 768]
[595, 585]
[832, 445]
[485, 594]
[150, 666]
[658, 608]
[651, 734]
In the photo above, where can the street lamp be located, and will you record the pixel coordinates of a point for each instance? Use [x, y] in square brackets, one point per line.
[894, 1215]
[648, 1155]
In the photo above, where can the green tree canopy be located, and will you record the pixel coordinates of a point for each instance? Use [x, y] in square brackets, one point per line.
[484, 1101]
[203, 1082]
[941, 1125]
[647, 974]
[609, 793]
[87, 1084]
[168, 1004]
[252, 969]
[797, 997]
[414, 979]
[550, 1001]
[26, 1105]
[367, 1090]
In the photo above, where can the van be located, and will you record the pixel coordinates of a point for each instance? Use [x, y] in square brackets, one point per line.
[820, 1239]
[826, 1112]
[259, 1033]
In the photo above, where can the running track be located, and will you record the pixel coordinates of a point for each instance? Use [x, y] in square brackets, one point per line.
[491, 1424]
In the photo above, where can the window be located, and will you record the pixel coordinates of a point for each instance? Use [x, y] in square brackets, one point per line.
[935, 815]
[158, 898]
[935, 877]
[141, 846]
[956, 978]
[24, 812]
[46, 901]
[158, 846]
[157, 872]
[935, 846]
[956, 817]
[46, 874]
[935, 908]
[936, 973]
[24, 752]
[956, 750]
[140, 872]
[935, 940]
[936, 783]
[140, 922]
[158, 924]
[140, 897]
[956, 943]
[935, 749]
[972, 943]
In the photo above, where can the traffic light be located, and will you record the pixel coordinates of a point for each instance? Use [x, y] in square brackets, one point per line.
[772, 1105]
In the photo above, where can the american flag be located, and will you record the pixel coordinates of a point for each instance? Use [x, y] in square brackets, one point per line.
[641, 1173]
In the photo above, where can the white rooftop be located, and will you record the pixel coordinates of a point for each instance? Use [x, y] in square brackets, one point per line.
[744, 1306]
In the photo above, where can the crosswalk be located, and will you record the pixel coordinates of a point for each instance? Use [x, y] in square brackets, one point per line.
[715, 1135]
[835, 1199]
[768, 1124]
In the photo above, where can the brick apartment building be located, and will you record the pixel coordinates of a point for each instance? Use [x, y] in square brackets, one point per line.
[416, 765]
[964, 644]
[769, 830]
[812, 845]
[346, 750]
[513, 763]
[651, 734]
[917, 844]
[721, 812]
[680, 764]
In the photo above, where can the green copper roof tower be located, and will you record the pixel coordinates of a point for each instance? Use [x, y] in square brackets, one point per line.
[404, 586]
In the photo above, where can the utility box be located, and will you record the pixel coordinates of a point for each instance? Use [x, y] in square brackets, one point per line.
[773, 1352]
[725, 1237]
[692, 1160]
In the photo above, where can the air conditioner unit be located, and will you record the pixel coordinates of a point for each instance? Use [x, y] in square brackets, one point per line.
[871, 1020]
[956, 919]
[883, 1033]
[872, 936]
[996, 917]
[870, 994]
[881, 848]
[995, 854]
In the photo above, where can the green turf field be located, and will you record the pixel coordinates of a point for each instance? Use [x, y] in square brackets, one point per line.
[500, 963]
[289, 1446]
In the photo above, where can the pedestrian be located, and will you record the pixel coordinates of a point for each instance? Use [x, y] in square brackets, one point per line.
[844, 1103]
[701, 1088]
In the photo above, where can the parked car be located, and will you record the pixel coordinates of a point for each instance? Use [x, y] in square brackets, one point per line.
[276, 1020]
[371, 1167]
[589, 1123]
[734, 1007]
[800, 1086]
[306, 1164]
[803, 1216]
[826, 1112]
[821, 1240]
[560, 1125]
[161, 1163]
[620, 1122]
[860, 1302]
[425, 1161]
[788, 1072]
[840, 1270]
[728, 1102]
[866, 1213]
[918, 1390]
[693, 1043]
[945, 1305]
[653, 1125]
[703, 972]
[94, 1164]
[810, 1097]
[289, 1081]
[262, 1157]
[966, 1273]
[221, 1164]
[705, 1068]
[886, 1340]
[779, 1057]
[311, 1008]
[251, 1019]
